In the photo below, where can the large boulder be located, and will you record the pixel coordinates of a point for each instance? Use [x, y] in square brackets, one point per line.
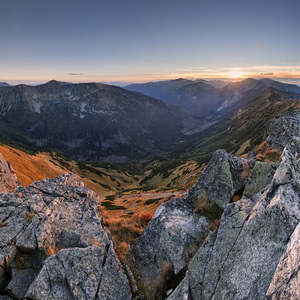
[81, 273]
[284, 130]
[223, 177]
[240, 259]
[161, 252]
[8, 177]
[44, 219]
[286, 281]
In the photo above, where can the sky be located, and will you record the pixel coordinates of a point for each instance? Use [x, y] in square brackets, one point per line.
[148, 40]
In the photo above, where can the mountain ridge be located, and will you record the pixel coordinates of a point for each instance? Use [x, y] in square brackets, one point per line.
[194, 95]
[90, 121]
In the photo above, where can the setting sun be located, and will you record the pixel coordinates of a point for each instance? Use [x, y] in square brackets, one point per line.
[235, 74]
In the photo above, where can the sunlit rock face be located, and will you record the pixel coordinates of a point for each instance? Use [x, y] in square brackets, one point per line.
[54, 244]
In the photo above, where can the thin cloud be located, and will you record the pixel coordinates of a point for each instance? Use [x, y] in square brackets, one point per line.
[267, 74]
[75, 74]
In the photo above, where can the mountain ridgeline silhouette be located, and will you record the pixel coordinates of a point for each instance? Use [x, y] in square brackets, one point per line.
[99, 122]
[90, 121]
[202, 99]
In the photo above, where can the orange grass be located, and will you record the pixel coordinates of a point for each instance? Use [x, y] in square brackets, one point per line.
[125, 230]
[29, 168]
[265, 153]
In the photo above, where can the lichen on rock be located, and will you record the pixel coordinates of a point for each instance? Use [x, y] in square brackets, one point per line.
[55, 244]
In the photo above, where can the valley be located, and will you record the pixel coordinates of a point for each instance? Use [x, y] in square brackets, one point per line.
[164, 180]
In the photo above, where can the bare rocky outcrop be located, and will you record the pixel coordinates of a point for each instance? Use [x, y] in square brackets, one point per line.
[254, 254]
[279, 132]
[286, 281]
[162, 253]
[222, 178]
[54, 244]
[8, 178]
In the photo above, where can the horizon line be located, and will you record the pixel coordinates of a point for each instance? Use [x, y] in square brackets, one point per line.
[125, 82]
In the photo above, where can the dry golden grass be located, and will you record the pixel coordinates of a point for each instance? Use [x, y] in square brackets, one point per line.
[125, 230]
[205, 207]
[236, 198]
[28, 167]
[247, 170]
[2, 224]
[155, 290]
[265, 153]
[30, 216]
[52, 250]
[96, 243]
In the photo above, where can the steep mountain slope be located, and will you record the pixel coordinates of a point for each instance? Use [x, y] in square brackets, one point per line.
[90, 121]
[241, 130]
[205, 101]
[236, 94]
[4, 84]
[197, 97]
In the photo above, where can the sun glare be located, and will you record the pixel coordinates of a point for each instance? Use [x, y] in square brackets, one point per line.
[235, 74]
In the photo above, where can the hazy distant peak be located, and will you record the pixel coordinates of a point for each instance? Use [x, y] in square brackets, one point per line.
[4, 84]
[52, 83]
[181, 79]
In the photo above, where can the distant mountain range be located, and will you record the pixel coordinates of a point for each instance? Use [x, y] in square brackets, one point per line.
[202, 99]
[4, 84]
[98, 122]
[90, 121]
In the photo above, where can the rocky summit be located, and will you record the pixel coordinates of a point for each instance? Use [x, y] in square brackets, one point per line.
[54, 244]
[252, 250]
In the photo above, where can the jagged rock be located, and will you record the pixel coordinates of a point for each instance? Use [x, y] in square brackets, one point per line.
[182, 291]
[164, 246]
[288, 170]
[239, 261]
[81, 273]
[286, 280]
[261, 175]
[284, 130]
[8, 177]
[165, 241]
[221, 179]
[41, 221]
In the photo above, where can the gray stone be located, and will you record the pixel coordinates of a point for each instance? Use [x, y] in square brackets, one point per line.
[182, 291]
[8, 178]
[114, 283]
[205, 267]
[239, 260]
[286, 281]
[165, 241]
[222, 177]
[261, 175]
[59, 218]
[284, 130]
[81, 273]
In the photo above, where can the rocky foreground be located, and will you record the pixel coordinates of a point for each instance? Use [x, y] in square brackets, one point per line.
[254, 253]
[54, 244]
[234, 235]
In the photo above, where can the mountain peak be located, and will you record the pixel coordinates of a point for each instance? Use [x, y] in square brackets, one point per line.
[4, 84]
[53, 83]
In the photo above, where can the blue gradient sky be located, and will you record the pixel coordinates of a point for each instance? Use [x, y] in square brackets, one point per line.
[143, 40]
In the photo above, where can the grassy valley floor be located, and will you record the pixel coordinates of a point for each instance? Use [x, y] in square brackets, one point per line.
[130, 194]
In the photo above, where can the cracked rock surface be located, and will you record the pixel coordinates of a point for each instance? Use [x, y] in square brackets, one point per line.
[164, 246]
[255, 252]
[54, 244]
[8, 177]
